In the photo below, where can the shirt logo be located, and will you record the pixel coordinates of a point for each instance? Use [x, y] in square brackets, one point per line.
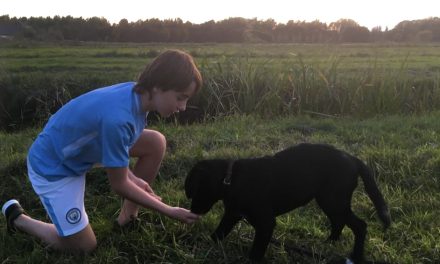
[73, 216]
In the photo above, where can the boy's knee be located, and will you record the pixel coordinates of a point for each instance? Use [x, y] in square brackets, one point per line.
[158, 141]
[83, 242]
[89, 247]
[84, 247]
[80, 247]
[161, 140]
[150, 143]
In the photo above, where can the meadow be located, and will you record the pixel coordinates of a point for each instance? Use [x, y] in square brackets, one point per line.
[265, 79]
[379, 102]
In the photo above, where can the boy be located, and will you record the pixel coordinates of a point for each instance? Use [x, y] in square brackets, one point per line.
[105, 126]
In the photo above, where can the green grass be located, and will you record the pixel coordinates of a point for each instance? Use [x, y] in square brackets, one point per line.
[403, 151]
[270, 80]
[42, 56]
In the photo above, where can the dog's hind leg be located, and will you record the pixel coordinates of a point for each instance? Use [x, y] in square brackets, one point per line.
[337, 212]
[337, 224]
[359, 228]
[225, 226]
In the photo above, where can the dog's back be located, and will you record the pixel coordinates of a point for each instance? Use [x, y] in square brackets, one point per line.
[296, 175]
[329, 171]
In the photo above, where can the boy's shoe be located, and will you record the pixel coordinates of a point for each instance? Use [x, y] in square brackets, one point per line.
[11, 210]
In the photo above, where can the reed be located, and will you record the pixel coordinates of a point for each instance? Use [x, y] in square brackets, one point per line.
[272, 80]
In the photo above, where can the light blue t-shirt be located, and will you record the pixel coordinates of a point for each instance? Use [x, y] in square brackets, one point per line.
[97, 127]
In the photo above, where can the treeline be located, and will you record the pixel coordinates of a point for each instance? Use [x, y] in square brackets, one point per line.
[229, 30]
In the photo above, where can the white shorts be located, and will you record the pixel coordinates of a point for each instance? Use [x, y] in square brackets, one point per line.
[63, 200]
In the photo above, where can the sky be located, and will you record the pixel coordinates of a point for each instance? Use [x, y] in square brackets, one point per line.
[367, 13]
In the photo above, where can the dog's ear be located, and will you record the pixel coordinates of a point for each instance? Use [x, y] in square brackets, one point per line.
[192, 180]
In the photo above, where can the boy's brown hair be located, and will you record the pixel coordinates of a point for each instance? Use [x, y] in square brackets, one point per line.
[171, 70]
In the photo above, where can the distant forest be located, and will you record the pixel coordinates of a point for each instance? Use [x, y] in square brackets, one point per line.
[234, 29]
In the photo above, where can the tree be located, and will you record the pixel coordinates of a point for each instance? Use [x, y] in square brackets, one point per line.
[350, 31]
[262, 30]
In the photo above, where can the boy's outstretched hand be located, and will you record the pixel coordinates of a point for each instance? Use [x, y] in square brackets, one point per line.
[183, 215]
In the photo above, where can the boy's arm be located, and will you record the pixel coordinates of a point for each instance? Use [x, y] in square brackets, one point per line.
[122, 185]
[142, 184]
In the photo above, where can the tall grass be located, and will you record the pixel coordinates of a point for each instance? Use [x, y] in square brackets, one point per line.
[270, 80]
[270, 88]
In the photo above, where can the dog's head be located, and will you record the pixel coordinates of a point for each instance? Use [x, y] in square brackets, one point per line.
[204, 184]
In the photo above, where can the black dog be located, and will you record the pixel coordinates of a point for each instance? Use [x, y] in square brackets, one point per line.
[260, 189]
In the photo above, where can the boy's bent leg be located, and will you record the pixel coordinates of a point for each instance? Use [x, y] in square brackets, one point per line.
[150, 151]
[82, 242]
[63, 200]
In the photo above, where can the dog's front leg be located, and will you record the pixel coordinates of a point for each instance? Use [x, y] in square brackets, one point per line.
[263, 233]
[226, 224]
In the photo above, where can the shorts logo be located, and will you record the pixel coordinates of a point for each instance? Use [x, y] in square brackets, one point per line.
[73, 216]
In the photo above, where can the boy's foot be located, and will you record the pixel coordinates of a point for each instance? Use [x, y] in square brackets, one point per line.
[130, 225]
[134, 221]
[11, 210]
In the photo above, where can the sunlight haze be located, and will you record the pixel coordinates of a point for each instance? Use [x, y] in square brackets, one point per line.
[366, 13]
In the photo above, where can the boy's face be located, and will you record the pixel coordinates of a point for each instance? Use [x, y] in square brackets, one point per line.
[169, 102]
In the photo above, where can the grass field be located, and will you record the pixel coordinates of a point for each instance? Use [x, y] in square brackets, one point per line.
[267, 79]
[403, 150]
[380, 102]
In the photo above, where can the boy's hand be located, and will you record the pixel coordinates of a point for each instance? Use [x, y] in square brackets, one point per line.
[149, 190]
[183, 215]
[145, 186]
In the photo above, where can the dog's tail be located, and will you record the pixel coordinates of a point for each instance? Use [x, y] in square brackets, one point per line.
[374, 193]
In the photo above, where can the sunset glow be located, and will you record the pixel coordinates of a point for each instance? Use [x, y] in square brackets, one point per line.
[367, 13]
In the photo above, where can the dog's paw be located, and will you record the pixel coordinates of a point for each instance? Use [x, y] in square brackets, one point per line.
[256, 258]
[256, 255]
[215, 237]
